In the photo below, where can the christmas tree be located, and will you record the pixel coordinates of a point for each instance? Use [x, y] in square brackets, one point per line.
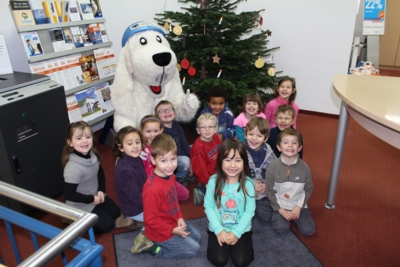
[216, 46]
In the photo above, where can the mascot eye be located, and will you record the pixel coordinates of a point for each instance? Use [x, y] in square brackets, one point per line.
[158, 39]
[143, 41]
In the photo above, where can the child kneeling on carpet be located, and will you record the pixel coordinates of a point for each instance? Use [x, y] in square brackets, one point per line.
[166, 234]
[204, 154]
[289, 186]
[129, 177]
[260, 156]
[229, 205]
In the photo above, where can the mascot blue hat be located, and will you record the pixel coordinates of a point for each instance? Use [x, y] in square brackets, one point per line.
[139, 26]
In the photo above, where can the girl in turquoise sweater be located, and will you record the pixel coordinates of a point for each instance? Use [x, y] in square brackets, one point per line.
[229, 205]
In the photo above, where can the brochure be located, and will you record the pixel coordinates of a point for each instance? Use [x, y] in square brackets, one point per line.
[32, 44]
[74, 112]
[89, 104]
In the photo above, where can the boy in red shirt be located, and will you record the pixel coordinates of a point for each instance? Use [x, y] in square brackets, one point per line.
[166, 234]
[203, 155]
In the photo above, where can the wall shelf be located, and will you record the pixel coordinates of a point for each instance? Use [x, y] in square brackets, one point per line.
[87, 85]
[101, 117]
[68, 52]
[46, 26]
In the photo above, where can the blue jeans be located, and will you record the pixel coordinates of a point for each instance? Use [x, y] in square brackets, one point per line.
[183, 167]
[181, 247]
[305, 222]
[263, 209]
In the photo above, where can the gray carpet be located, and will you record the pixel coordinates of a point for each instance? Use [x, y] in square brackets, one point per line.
[270, 249]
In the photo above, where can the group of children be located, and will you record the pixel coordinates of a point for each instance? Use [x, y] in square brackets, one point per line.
[243, 169]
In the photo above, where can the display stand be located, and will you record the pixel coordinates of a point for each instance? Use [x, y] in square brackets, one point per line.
[46, 42]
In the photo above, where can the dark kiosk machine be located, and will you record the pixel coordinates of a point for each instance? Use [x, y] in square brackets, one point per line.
[33, 125]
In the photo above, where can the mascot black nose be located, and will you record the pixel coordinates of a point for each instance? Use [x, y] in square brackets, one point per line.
[162, 59]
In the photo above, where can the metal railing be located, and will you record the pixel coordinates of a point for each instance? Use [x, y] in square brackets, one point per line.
[90, 252]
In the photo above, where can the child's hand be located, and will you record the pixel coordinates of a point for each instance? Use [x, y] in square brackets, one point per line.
[181, 222]
[101, 196]
[260, 187]
[231, 239]
[221, 137]
[180, 230]
[296, 212]
[96, 200]
[144, 153]
[288, 215]
[222, 236]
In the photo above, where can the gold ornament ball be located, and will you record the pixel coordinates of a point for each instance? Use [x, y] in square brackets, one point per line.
[259, 63]
[271, 71]
[179, 67]
[177, 30]
[166, 26]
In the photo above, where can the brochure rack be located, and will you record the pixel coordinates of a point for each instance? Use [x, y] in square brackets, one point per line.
[46, 42]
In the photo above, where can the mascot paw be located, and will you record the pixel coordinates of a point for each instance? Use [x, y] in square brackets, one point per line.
[191, 100]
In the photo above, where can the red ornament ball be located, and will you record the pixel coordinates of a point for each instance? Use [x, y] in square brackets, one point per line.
[192, 71]
[185, 63]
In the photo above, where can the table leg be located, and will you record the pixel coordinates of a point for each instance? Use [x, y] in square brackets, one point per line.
[337, 157]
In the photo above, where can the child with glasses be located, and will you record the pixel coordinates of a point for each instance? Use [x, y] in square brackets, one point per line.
[285, 93]
[166, 113]
[203, 154]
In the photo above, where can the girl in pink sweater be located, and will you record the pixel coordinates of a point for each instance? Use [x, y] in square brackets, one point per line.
[285, 93]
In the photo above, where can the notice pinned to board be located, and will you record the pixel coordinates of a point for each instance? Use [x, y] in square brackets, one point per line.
[374, 17]
[5, 63]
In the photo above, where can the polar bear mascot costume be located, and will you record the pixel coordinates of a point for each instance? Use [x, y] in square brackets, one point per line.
[146, 74]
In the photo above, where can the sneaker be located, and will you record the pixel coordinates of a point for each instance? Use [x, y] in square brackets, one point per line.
[198, 196]
[141, 243]
[182, 181]
[190, 179]
[135, 226]
[123, 221]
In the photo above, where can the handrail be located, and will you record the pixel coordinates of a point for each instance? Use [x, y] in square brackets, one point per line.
[83, 221]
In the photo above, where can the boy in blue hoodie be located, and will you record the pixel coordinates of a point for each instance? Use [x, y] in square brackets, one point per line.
[218, 106]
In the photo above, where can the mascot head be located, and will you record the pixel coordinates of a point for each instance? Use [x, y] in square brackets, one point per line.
[148, 57]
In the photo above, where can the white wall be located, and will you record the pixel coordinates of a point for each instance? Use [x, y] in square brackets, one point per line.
[314, 36]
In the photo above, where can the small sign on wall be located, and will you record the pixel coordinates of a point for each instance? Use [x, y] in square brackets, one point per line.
[374, 17]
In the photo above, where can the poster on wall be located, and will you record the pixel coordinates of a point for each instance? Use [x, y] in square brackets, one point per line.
[374, 17]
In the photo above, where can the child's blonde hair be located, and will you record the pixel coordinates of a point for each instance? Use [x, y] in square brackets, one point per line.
[254, 97]
[163, 144]
[207, 116]
[261, 124]
[77, 126]
[283, 109]
[119, 139]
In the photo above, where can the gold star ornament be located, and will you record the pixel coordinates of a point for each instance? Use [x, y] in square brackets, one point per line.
[216, 59]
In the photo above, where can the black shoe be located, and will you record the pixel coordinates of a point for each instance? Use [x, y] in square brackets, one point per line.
[182, 181]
